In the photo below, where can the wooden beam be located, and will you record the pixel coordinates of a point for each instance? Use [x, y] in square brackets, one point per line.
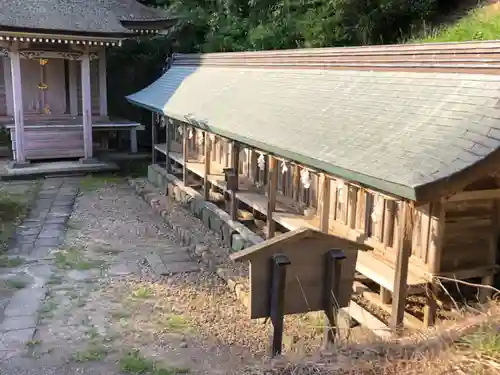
[185, 154]
[153, 138]
[401, 275]
[206, 171]
[73, 87]
[103, 88]
[474, 195]
[296, 183]
[435, 250]
[169, 128]
[324, 202]
[235, 162]
[9, 101]
[15, 69]
[271, 195]
[86, 106]
[488, 280]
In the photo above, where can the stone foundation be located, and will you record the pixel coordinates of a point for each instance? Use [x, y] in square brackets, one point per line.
[234, 234]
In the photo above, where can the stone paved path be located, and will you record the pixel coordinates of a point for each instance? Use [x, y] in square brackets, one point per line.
[42, 231]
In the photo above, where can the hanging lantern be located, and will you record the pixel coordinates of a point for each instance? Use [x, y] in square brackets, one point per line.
[261, 162]
[162, 122]
[199, 138]
[179, 130]
[305, 178]
[43, 62]
[212, 137]
[284, 167]
[190, 133]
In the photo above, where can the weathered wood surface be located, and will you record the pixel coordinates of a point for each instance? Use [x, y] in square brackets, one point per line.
[467, 234]
[51, 143]
[306, 250]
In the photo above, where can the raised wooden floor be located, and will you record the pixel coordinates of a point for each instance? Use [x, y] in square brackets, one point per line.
[369, 263]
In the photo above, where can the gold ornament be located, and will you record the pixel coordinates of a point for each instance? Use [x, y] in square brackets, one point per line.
[42, 86]
[43, 62]
[46, 110]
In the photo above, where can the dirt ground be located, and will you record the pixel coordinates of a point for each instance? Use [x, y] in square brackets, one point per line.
[105, 312]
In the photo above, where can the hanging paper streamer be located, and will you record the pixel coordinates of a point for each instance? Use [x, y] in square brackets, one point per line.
[377, 211]
[340, 195]
[199, 138]
[305, 178]
[179, 130]
[212, 137]
[284, 167]
[261, 162]
[190, 133]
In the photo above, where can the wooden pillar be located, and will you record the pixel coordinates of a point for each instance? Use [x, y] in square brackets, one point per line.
[9, 101]
[271, 195]
[73, 87]
[133, 141]
[208, 159]
[168, 144]
[489, 280]
[401, 275]
[235, 162]
[437, 225]
[185, 154]
[103, 89]
[324, 203]
[296, 183]
[86, 106]
[17, 96]
[153, 138]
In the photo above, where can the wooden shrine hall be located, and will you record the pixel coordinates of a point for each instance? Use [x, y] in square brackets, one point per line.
[53, 92]
[394, 147]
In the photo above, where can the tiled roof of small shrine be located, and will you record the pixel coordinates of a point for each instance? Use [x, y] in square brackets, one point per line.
[353, 113]
[89, 16]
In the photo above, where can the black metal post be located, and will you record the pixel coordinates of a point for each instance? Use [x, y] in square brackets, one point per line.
[333, 272]
[279, 262]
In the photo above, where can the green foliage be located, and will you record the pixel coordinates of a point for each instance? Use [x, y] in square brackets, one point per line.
[247, 25]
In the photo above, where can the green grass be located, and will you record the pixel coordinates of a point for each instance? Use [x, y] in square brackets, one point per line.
[12, 209]
[15, 283]
[94, 182]
[93, 353]
[175, 323]
[32, 343]
[134, 363]
[6, 262]
[73, 259]
[142, 292]
[479, 24]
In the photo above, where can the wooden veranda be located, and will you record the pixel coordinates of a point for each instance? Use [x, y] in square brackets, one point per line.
[443, 225]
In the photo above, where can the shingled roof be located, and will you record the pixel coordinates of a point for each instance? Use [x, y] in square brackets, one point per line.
[406, 132]
[91, 16]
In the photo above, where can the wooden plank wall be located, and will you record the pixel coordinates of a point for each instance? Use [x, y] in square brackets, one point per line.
[52, 143]
[3, 88]
[467, 234]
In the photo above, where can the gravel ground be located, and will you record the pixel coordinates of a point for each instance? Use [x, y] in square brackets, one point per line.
[105, 311]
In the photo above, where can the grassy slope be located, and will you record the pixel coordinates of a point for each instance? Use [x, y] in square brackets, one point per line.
[482, 23]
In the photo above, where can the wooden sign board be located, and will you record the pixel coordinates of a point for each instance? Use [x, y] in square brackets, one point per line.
[306, 250]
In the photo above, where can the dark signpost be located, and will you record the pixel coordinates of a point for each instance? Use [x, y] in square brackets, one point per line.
[299, 272]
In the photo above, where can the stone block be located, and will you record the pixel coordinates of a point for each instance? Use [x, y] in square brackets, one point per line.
[237, 242]
[215, 223]
[17, 337]
[12, 323]
[25, 302]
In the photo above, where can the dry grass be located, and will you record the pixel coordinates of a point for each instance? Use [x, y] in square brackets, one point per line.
[468, 345]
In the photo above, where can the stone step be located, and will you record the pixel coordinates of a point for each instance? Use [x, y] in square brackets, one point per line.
[169, 262]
